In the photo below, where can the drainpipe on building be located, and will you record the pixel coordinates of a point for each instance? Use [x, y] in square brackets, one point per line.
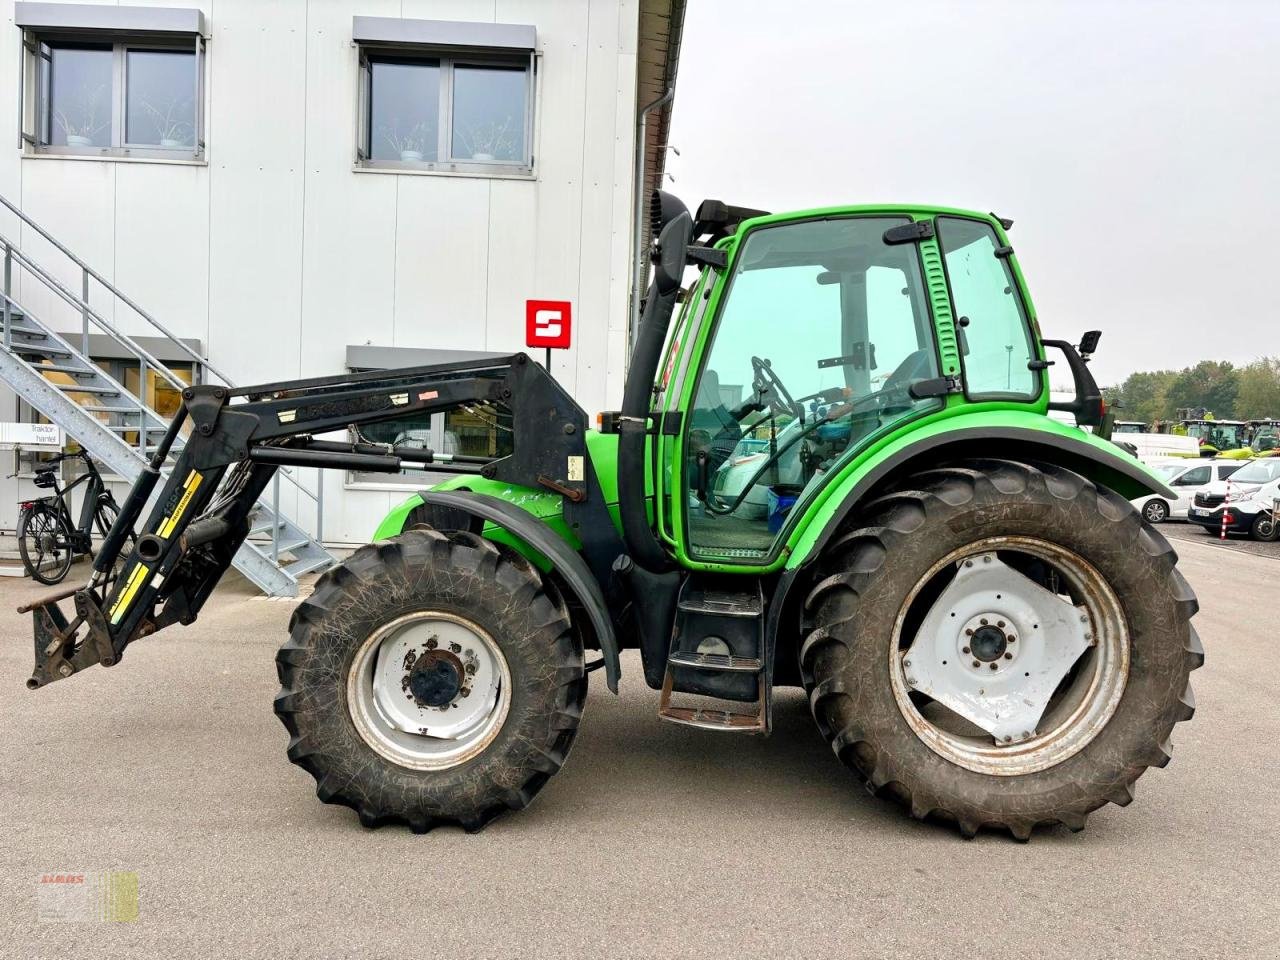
[638, 213]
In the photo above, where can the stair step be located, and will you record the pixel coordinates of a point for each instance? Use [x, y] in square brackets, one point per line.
[723, 720]
[80, 371]
[24, 350]
[300, 567]
[267, 527]
[292, 545]
[121, 410]
[87, 388]
[715, 661]
[118, 428]
[21, 331]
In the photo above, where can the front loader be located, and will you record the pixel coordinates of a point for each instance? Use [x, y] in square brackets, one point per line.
[833, 468]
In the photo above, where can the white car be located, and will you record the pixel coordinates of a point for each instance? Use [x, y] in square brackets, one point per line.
[1186, 478]
[1246, 504]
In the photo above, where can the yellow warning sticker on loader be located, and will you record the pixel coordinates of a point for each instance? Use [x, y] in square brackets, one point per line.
[188, 491]
[139, 574]
[137, 577]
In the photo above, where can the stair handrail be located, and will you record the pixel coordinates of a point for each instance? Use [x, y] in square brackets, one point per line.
[56, 285]
[15, 251]
[88, 270]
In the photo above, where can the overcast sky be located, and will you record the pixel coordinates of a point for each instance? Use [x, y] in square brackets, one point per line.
[1136, 145]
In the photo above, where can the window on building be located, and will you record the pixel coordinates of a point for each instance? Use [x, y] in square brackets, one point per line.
[445, 97]
[478, 432]
[112, 82]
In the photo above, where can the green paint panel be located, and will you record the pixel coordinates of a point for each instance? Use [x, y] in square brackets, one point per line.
[944, 322]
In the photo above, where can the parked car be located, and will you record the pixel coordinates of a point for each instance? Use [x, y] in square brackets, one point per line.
[1248, 501]
[1186, 478]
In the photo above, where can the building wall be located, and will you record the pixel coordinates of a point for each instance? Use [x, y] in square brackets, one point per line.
[277, 254]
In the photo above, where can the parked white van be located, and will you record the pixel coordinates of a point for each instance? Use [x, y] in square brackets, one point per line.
[1186, 478]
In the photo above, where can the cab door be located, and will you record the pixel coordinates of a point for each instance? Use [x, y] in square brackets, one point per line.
[820, 332]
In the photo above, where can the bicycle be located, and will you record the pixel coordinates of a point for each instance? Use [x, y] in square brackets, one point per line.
[48, 540]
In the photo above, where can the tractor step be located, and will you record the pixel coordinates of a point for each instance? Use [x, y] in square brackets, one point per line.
[724, 720]
[718, 652]
[715, 661]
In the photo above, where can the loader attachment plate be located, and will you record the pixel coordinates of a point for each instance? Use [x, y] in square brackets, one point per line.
[57, 655]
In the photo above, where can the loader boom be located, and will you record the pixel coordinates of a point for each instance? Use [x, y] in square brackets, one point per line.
[202, 514]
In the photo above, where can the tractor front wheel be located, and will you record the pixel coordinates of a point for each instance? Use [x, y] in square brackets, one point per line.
[432, 678]
[1000, 644]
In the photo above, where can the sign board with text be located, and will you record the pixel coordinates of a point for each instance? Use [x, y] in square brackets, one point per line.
[548, 323]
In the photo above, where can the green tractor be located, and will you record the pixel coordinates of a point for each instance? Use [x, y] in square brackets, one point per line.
[833, 469]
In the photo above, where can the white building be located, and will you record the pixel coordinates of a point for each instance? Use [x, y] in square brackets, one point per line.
[299, 187]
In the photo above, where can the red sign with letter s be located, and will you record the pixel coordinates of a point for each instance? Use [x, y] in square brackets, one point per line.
[548, 323]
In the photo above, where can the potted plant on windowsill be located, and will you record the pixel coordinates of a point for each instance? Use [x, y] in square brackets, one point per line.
[490, 141]
[79, 123]
[172, 128]
[412, 143]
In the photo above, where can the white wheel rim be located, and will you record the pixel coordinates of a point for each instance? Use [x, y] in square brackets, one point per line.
[384, 690]
[1032, 701]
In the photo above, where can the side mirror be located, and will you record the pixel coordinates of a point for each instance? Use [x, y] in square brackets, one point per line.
[1089, 342]
[671, 253]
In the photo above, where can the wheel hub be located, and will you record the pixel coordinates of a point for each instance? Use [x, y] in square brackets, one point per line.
[988, 643]
[435, 678]
[994, 647]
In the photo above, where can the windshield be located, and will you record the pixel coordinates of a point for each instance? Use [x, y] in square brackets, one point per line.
[1260, 471]
[1169, 469]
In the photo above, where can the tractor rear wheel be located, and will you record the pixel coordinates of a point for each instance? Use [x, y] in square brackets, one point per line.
[432, 678]
[1000, 644]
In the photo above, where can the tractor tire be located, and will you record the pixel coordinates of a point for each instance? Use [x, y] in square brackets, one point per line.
[894, 557]
[1264, 528]
[1155, 510]
[365, 653]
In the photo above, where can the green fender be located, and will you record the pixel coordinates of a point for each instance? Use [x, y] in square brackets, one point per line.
[1005, 434]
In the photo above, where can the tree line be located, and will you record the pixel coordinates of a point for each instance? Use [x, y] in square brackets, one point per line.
[1251, 392]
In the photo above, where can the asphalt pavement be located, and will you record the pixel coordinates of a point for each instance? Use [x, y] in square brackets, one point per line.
[655, 840]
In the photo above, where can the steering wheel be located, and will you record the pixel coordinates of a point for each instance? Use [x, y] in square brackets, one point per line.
[768, 388]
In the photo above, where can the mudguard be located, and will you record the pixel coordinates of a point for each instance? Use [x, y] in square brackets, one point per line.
[566, 562]
[1100, 461]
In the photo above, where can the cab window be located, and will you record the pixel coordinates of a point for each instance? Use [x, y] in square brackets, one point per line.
[995, 338]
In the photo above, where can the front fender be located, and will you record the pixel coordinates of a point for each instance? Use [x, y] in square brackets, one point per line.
[1010, 435]
[545, 542]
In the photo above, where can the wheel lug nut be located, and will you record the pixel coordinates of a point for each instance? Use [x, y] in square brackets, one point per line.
[994, 667]
[964, 649]
[976, 663]
[1012, 639]
[984, 623]
[1000, 623]
[968, 633]
[1008, 656]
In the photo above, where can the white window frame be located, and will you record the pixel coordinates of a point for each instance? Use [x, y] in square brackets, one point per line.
[35, 49]
[447, 58]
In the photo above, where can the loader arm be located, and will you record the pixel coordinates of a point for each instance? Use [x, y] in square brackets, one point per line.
[239, 438]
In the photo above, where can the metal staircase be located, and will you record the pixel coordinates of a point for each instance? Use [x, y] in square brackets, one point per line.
[114, 424]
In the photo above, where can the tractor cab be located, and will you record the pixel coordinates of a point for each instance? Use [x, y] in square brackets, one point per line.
[1215, 435]
[823, 335]
[1263, 436]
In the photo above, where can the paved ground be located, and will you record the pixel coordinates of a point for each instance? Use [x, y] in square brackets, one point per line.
[1240, 543]
[172, 765]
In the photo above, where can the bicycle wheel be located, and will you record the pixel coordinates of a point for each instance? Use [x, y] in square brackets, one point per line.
[44, 542]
